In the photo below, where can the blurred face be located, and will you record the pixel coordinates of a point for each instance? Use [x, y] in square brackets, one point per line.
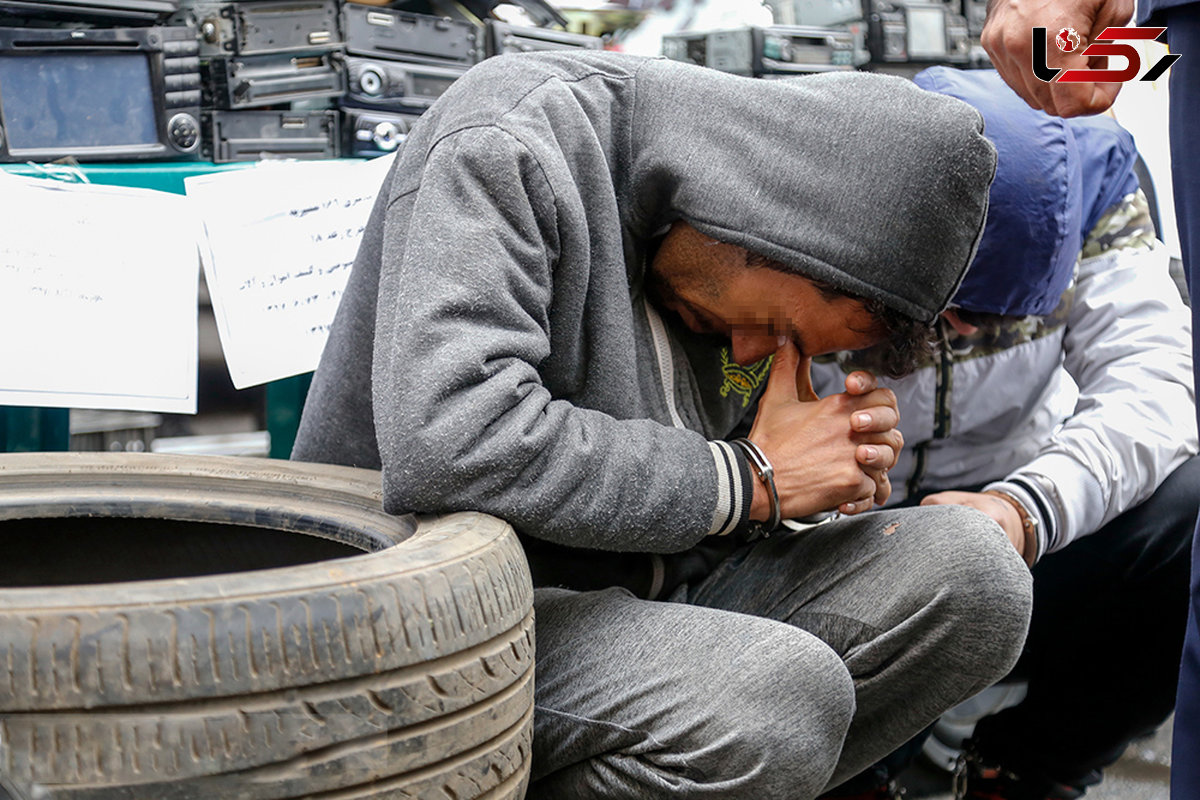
[710, 287]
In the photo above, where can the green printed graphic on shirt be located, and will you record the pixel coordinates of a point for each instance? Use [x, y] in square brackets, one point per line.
[743, 380]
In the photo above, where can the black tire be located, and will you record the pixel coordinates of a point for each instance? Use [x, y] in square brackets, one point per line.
[405, 671]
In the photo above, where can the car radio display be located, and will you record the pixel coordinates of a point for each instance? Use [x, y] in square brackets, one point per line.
[62, 100]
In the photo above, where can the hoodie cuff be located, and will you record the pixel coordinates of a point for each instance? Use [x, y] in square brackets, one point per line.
[735, 489]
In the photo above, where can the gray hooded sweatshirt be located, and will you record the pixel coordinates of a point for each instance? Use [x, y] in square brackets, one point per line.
[494, 349]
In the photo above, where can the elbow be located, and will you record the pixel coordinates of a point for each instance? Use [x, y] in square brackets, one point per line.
[420, 471]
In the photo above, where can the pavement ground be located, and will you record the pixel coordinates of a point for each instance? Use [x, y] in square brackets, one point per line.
[1142, 773]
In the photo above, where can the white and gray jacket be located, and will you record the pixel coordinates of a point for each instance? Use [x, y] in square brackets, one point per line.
[1081, 414]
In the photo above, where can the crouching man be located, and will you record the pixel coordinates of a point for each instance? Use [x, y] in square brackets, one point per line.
[582, 274]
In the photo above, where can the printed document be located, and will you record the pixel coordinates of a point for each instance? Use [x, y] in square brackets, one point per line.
[280, 240]
[98, 292]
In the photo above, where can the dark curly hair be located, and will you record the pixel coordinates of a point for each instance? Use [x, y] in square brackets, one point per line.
[908, 343]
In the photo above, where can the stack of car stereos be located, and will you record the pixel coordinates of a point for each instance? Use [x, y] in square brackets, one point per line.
[918, 32]
[398, 64]
[255, 57]
[900, 36]
[776, 51]
[234, 80]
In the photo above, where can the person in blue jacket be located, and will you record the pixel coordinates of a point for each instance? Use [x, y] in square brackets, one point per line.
[1052, 406]
[1007, 39]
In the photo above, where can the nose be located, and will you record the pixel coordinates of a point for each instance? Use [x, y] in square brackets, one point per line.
[749, 348]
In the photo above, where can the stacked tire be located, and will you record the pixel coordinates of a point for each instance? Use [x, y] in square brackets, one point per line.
[289, 640]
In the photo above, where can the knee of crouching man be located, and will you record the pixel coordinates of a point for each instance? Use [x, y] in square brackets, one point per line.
[988, 590]
[796, 703]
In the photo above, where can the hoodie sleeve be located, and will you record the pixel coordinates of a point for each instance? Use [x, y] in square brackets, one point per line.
[1127, 346]
[463, 420]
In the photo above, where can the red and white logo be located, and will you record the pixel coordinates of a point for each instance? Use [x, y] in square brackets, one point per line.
[1109, 43]
[1067, 40]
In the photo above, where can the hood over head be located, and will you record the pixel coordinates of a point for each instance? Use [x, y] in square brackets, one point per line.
[859, 180]
[1106, 161]
[1035, 222]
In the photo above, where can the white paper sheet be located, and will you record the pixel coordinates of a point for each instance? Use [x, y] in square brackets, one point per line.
[97, 297]
[281, 238]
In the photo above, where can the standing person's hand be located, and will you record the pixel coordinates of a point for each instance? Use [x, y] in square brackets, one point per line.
[827, 453]
[1008, 39]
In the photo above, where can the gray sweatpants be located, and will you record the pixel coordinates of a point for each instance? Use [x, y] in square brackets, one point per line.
[801, 660]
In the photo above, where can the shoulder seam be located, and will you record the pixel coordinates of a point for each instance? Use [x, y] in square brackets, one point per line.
[481, 127]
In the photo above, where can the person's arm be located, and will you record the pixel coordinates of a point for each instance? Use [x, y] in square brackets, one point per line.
[1128, 347]
[1008, 39]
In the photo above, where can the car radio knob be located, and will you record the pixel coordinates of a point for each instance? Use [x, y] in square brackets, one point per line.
[184, 132]
[371, 81]
[388, 136]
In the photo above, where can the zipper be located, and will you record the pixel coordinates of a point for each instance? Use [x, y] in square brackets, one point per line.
[941, 410]
[666, 373]
[666, 362]
[945, 383]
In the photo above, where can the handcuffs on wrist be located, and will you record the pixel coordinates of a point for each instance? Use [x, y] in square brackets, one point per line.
[766, 473]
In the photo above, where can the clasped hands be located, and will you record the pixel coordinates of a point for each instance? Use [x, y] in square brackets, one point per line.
[835, 452]
[827, 453]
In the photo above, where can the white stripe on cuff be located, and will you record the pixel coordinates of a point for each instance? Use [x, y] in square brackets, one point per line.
[728, 511]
